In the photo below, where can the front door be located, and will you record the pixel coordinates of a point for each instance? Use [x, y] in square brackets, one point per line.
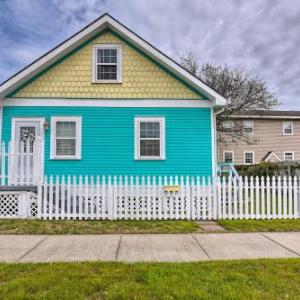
[27, 144]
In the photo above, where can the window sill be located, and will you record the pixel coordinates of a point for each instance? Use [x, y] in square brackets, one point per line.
[106, 81]
[149, 158]
[65, 158]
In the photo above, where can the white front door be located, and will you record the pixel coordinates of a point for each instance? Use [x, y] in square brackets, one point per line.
[27, 144]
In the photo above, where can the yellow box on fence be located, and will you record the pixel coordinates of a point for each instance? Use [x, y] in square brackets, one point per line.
[171, 188]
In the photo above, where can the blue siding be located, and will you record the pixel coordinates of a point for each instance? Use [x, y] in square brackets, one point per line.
[108, 140]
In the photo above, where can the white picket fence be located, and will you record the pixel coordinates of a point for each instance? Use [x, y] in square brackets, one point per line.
[20, 165]
[150, 198]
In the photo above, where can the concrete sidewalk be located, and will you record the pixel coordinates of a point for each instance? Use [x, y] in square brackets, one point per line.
[148, 247]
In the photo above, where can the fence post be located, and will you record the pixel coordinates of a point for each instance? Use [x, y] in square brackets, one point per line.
[23, 205]
[39, 200]
[110, 199]
[268, 199]
[3, 163]
[189, 209]
[241, 198]
[296, 195]
[284, 197]
[290, 212]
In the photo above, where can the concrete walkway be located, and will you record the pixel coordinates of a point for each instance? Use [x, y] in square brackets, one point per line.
[148, 247]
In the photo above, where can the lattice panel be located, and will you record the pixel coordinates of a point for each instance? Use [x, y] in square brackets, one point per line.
[9, 205]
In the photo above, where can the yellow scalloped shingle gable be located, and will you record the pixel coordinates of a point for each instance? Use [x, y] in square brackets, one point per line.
[71, 78]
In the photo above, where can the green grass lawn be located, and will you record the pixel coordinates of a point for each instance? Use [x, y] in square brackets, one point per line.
[95, 227]
[253, 279]
[260, 225]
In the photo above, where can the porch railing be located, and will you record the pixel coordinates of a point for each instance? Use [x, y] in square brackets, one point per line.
[20, 164]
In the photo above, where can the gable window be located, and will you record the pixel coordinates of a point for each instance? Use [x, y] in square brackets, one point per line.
[249, 158]
[288, 156]
[149, 138]
[227, 126]
[107, 63]
[248, 127]
[287, 128]
[228, 156]
[65, 138]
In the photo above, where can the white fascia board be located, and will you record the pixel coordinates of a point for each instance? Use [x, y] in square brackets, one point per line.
[89, 32]
[106, 102]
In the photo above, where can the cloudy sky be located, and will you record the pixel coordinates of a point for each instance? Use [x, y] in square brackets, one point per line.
[259, 35]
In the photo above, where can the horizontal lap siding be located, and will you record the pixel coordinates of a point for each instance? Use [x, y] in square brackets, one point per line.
[108, 140]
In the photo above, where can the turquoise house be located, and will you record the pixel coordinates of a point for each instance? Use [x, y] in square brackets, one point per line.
[107, 102]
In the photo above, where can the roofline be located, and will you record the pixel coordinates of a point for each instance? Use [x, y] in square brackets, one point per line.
[270, 154]
[89, 31]
[260, 117]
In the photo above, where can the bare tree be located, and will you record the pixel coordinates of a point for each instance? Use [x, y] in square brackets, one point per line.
[242, 89]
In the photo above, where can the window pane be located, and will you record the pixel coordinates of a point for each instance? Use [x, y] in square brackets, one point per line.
[249, 158]
[228, 157]
[149, 130]
[107, 56]
[106, 72]
[248, 127]
[288, 156]
[66, 147]
[288, 128]
[65, 129]
[150, 148]
[227, 126]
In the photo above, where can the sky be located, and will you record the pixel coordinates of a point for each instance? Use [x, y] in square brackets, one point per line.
[261, 36]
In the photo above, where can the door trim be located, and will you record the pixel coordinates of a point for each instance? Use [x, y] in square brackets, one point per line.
[42, 136]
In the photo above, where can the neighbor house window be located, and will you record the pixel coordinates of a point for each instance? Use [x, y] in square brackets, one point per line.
[65, 137]
[249, 158]
[228, 156]
[107, 63]
[248, 127]
[288, 128]
[149, 138]
[288, 156]
[227, 126]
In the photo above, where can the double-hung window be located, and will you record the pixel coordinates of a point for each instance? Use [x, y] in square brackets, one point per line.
[107, 63]
[228, 156]
[65, 138]
[288, 156]
[150, 138]
[248, 127]
[287, 128]
[248, 157]
[227, 126]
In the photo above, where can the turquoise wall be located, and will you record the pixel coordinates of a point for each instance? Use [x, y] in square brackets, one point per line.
[108, 140]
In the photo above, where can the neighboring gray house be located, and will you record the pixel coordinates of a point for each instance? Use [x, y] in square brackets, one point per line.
[274, 136]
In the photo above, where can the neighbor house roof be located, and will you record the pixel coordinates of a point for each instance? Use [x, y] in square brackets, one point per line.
[88, 32]
[266, 114]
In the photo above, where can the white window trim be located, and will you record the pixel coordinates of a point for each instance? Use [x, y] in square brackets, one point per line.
[119, 62]
[253, 154]
[289, 122]
[229, 151]
[137, 121]
[53, 138]
[248, 121]
[293, 155]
